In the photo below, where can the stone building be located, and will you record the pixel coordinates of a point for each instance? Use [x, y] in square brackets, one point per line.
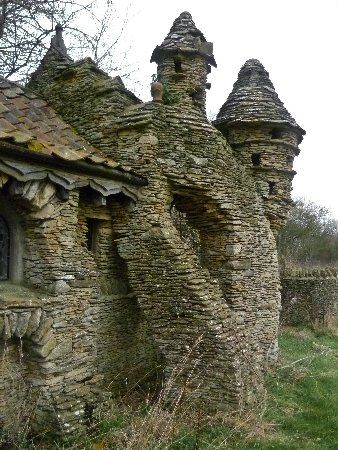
[161, 265]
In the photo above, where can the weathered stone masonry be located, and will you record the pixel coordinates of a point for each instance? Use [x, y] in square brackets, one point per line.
[52, 330]
[177, 263]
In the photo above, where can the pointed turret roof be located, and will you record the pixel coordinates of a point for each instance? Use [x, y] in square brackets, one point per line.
[254, 99]
[57, 50]
[184, 36]
[57, 41]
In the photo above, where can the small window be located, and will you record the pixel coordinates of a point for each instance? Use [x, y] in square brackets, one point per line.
[4, 249]
[178, 66]
[92, 234]
[11, 242]
[276, 133]
[272, 187]
[256, 159]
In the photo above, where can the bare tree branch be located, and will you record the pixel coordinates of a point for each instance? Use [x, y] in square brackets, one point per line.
[26, 27]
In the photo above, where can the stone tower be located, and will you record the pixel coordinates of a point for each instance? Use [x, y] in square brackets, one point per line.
[184, 60]
[264, 137]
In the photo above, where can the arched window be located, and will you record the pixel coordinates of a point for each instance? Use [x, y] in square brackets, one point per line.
[4, 249]
[11, 243]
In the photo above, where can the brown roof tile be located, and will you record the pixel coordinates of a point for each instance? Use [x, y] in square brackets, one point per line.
[28, 121]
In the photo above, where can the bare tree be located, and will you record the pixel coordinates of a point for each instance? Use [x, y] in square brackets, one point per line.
[310, 237]
[92, 27]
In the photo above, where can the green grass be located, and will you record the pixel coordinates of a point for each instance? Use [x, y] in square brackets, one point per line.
[304, 394]
[302, 405]
[301, 411]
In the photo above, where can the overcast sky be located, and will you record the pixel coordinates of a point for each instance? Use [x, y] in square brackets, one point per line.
[296, 40]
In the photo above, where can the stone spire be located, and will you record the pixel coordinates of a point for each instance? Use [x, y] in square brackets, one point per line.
[56, 58]
[57, 42]
[254, 99]
[264, 137]
[184, 37]
[57, 52]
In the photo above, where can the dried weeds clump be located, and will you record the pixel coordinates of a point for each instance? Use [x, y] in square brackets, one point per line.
[131, 423]
[172, 418]
[21, 401]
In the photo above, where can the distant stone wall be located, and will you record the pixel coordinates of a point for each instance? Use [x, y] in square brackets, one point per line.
[310, 297]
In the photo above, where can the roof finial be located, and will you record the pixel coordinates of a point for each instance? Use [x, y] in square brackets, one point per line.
[57, 41]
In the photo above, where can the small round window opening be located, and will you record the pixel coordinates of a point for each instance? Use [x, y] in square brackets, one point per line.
[4, 249]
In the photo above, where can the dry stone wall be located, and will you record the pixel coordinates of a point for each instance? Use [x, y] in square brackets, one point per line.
[126, 354]
[270, 162]
[86, 97]
[212, 296]
[310, 297]
[187, 85]
[212, 308]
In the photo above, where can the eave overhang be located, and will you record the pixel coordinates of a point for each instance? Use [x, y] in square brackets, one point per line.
[25, 165]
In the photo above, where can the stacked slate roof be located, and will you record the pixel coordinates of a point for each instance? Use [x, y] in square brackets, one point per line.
[36, 144]
[184, 36]
[28, 121]
[254, 99]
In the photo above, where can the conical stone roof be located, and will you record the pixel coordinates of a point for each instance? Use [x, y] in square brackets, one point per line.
[57, 42]
[57, 51]
[184, 36]
[254, 99]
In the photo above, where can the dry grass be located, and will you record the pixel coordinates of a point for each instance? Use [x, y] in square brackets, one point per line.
[131, 427]
[300, 407]
[21, 402]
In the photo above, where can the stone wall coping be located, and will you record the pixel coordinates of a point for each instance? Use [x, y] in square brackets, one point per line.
[325, 273]
[16, 296]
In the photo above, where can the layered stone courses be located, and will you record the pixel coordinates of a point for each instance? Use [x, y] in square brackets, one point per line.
[254, 99]
[175, 279]
[310, 297]
[264, 136]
